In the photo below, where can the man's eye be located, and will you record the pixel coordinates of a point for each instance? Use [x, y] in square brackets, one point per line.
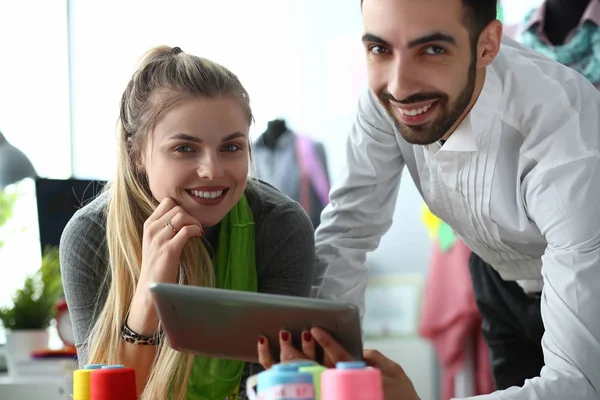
[435, 50]
[377, 49]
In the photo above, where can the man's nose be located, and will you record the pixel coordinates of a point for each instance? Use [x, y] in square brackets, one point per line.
[403, 77]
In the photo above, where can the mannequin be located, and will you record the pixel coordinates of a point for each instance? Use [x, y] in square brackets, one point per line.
[295, 164]
[562, 16]
[566, 38]
[275, 129]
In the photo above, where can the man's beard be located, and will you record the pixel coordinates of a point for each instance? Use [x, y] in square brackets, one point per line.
[434, 130]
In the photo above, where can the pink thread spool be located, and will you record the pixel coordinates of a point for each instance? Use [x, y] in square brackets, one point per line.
[351, 381]
[113, 382]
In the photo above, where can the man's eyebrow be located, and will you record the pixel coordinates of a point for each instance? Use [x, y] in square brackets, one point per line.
[433, 37]
[369, 37]
[430, 38]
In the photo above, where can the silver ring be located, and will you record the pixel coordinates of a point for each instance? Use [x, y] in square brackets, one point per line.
[168, 223]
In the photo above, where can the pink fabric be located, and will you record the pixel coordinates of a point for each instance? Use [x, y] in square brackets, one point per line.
[313, 170]
[449, 317]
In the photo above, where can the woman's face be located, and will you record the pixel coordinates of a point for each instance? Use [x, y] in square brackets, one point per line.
[198, 154]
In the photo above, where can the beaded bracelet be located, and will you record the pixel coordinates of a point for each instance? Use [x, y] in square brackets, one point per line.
[135, 338]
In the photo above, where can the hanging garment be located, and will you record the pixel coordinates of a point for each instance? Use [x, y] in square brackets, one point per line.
[450, 319]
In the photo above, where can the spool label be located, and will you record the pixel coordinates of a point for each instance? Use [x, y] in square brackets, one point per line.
[294, 391]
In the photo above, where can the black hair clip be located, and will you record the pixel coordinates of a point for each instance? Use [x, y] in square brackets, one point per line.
[176, 50]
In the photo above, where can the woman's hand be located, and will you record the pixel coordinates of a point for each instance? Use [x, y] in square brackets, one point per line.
[288, 351]
[396, 384]
[166, 232]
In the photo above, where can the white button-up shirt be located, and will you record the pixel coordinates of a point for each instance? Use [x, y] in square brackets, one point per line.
[518, 181]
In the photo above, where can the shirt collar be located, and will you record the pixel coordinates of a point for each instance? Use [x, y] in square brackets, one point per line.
[591, 13]
[464, 137]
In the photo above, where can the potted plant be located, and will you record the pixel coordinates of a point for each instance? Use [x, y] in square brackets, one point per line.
[27, 320]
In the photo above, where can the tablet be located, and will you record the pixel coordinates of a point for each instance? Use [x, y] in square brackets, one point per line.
[227, 324]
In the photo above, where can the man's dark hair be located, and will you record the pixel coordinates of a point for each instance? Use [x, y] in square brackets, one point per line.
[478, 14]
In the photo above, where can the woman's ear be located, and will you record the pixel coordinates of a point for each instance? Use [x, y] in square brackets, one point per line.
[139, 159]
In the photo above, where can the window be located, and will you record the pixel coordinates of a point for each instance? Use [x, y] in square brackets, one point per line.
[34, 117]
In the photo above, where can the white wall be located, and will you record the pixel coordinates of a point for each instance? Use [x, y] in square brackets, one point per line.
[34, 117]
[281, 51]
[299, 59]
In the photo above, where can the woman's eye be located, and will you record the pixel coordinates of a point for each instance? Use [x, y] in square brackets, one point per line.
[231, 148]
[435, 50]
[184, 149]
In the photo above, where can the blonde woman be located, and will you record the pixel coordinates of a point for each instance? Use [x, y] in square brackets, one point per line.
[180, 209]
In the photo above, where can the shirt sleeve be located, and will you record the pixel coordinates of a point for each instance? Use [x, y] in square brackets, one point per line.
[83, 263]
[563, 202]
[361, 208]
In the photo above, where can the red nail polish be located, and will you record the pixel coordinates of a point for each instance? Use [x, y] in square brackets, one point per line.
[307, 336]
[261, 340]
[285, 336]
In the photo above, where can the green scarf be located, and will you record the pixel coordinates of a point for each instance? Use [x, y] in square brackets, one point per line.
[235, 269]
[581, 53]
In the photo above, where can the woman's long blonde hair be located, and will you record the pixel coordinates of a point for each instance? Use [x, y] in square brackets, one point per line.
[166, 75]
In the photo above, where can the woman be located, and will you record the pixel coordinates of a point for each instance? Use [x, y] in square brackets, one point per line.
[180, 198]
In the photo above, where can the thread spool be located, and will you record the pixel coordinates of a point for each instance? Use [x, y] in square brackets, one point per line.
[113, 382]
[285, 384]
[93, 366]
[81, 384]
[316, 371]
[81, 381]
[351, 381]
[292, 366]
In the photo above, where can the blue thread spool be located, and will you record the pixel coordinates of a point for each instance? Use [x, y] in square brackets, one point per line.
[285, 383]
[292, 366]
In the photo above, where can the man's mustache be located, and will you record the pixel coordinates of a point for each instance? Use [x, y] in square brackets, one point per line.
[413, 98]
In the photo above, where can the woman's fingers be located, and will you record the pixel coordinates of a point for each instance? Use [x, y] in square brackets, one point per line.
[308, 345]
[334, 352]
[177, 223]
[264, 355]
[288, 351]
[182, 237]
[165, 205]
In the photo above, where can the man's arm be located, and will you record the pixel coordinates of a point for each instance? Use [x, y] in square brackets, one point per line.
[564, 203]
[361, 206]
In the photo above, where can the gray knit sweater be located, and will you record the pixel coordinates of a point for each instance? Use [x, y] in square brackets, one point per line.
[284, 256]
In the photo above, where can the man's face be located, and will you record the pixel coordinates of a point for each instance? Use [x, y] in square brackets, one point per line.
[420, 64]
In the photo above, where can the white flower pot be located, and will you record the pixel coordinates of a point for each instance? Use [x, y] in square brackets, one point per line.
[20, 344]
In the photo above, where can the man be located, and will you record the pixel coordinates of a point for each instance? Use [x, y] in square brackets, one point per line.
[503, 145]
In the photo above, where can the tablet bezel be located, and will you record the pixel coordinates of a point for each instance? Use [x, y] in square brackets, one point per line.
[227, 324]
